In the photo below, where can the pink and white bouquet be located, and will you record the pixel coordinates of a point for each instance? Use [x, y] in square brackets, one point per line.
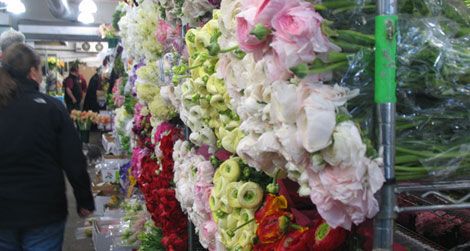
[193, 179]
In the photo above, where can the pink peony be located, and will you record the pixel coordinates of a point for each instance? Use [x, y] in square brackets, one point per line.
[202, 193]
[345, 195]
[208, 234]
[205, 172]
[298, 35]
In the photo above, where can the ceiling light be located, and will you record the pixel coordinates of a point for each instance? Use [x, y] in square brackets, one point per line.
[15, 7]
[87, 6]
[86, 18]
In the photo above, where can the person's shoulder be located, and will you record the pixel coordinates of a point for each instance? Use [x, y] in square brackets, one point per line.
[52, 102]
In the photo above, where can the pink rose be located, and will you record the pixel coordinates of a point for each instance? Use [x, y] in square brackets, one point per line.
[256, 12]
[298, 36]
[247, 42]
[202, 194]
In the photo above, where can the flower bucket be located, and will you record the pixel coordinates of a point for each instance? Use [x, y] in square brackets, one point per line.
[85, 136]
[112, 42]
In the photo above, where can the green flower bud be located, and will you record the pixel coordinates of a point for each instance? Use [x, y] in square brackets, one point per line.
[239, 54]
[300, 70]
[260, 32]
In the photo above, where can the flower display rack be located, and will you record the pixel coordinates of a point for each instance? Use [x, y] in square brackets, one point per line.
[385, 98]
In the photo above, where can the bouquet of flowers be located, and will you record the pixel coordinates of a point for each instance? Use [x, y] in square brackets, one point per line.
[137, 30]
[298, 126]
[238, 192]
[206, 107]
[84, 119]
[155, 178]
[193, 179]
[107, 31]
[55, 63]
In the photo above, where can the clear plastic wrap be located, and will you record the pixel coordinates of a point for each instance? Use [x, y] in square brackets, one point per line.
[433, 91]
[132, 223]
[433, 80]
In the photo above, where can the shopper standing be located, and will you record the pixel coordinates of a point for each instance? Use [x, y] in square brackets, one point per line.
[91, 98]
[73, 89]
[10, 37]
[38, 143]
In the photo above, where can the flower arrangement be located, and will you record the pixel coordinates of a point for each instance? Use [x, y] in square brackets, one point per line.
[193, 179]
[107, 31]
[238, 192]
[155, 178]
[84, 119]
[277, 230]
[137, 30]
[292, 124]
[206, 107]
[123, 127]
[149, 93]
[55, 63]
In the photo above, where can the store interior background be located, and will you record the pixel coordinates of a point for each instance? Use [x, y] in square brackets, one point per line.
[51, 27]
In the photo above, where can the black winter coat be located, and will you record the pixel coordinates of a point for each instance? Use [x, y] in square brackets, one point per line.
[38, 143]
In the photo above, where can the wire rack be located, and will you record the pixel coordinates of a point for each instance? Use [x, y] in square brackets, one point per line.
[449, 205]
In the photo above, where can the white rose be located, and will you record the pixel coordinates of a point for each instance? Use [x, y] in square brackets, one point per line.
[284, 104]
[347, 148]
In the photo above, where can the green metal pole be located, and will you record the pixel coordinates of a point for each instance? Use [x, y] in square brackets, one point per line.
[385, 98]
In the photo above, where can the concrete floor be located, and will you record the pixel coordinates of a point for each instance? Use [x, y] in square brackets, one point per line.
[73, 220]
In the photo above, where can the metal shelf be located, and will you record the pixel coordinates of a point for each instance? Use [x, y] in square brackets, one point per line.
[433, 186]
[414, 241]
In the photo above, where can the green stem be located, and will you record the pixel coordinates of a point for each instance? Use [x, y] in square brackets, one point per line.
[334, 5]
[229, 49]
[333, 57]
[295, 226]
[356, 37]
[232, 231]
[363, 7]
[400, 159]
[410, 177]
[410, 169]
[426, 154]
[348, 46]
[329, 67]
[195, 66]
[463, 32]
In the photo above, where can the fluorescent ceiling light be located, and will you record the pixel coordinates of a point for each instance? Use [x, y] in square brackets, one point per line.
[15, 6]
[87, 6]
[86, 18]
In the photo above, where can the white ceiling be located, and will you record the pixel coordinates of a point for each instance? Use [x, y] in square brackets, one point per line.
[41, 22]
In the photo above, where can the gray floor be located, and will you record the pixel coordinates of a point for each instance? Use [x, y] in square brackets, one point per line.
[74, 221]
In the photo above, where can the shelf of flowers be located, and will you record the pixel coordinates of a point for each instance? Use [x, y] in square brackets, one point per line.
[277, 96]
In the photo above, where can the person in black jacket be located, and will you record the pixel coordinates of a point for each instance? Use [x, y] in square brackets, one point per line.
[38, 143]
[91, 97]
[73, 89]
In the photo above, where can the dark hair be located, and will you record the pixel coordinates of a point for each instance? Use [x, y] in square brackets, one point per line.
[74, 68]
[17, 62]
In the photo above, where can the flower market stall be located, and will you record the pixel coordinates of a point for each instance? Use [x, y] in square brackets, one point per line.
[251, 124]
